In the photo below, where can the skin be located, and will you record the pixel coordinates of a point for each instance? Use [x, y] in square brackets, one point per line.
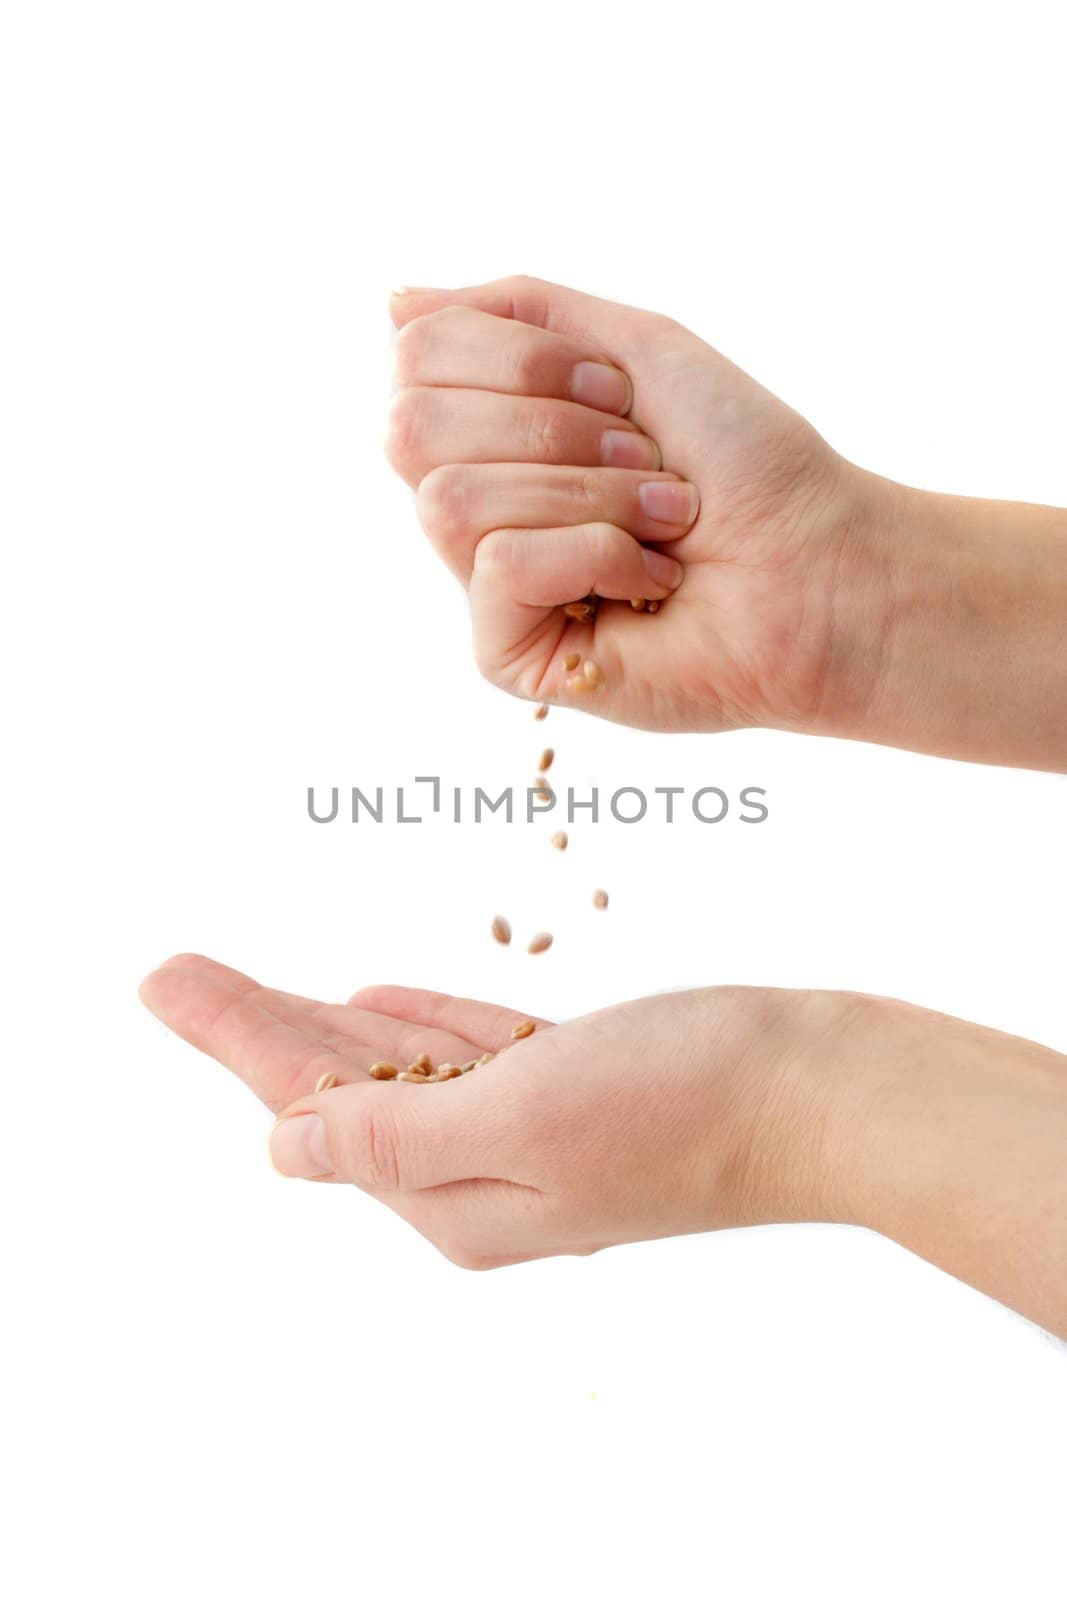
[676, 1114]
[562, 445]
[804, 593]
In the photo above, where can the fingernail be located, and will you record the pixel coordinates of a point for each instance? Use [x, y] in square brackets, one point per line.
[662, 569]
[298, 1147]
[621, 449]
[606, 388]
[411, 288]
[677, 503]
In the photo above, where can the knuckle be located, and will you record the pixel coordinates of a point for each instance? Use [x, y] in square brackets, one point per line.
[665, 327]
[439, 320]
[529, 297]
[372, 1148]
[607, 542]
[405, 428]
[406, 351]
[494, 559]
[525, 280]
[589, 490]
[524, 366]
[418, 341]
[546, 434]
[441, 503]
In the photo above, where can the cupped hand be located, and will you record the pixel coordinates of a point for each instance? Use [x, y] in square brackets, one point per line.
[563, 446]
[673, 1114]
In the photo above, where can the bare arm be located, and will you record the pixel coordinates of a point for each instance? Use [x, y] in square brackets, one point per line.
[679, 1113]
[564, 446]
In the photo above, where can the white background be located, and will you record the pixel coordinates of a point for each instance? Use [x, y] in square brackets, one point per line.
[221, 1383]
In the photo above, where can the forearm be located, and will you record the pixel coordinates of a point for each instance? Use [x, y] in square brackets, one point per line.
[952, 1140]
[954, 640]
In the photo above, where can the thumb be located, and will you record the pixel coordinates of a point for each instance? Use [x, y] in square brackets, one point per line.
[391, 1137]
[521, 574]
[621, 332]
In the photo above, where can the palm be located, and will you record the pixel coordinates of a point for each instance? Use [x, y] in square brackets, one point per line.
[742, 642]
[280, 1044]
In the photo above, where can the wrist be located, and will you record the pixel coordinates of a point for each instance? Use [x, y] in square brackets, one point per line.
[944, 1136]
[947, 621]
[796, 1142]
[866, 563]
[850, 1123]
